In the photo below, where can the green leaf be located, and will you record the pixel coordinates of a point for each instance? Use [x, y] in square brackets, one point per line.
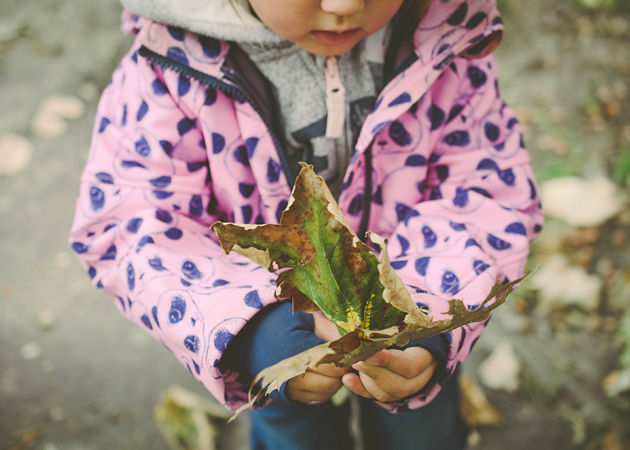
[328, 266]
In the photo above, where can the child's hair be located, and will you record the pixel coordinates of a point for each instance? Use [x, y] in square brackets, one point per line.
[410, 15]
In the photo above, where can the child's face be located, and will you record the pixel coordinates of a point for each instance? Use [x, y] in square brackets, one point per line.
[325, 27]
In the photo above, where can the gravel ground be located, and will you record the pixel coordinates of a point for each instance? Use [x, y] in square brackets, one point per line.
[69, 362]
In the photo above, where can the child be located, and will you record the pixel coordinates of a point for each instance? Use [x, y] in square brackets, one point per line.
[395, 103]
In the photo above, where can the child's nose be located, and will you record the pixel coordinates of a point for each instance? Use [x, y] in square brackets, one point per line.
[342, 7]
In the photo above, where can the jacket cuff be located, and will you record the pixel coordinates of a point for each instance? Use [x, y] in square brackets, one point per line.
[438, 347]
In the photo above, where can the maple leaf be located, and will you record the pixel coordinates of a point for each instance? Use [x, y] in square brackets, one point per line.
[328, 268]
[324, 266]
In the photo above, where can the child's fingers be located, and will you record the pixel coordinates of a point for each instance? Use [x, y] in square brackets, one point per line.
[315, 383]
[330, 370]
[408, 363]
[376, 391]
[354, 383]
[325, 328]
[386, 385]
[308, 396]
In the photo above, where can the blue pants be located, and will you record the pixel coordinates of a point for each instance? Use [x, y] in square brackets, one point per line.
[437, 426]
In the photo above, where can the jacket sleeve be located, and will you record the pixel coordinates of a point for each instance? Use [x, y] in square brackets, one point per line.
[141, 225]
[479, 207]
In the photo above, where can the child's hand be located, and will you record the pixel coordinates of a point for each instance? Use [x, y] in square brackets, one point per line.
[317, 384]
[387, 376]
[392, 374]
[324, 381]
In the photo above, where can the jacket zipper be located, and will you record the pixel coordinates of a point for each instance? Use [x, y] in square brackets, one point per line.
[367, 196]
[228, 89]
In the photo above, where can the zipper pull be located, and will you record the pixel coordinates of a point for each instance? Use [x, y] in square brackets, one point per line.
[335, 99]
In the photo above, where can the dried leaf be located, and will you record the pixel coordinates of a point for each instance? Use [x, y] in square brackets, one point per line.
[561, 284]
[326, 261]
[185, 420]
[65, 106]
[395, 292]
[273, 377]
[355, 347]
[474, 406]
[501, 369]
[581, 202]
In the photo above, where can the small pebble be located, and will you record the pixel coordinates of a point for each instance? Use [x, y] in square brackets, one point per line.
[46, 319]
[88, 91]
[56, 414]
[30, 351]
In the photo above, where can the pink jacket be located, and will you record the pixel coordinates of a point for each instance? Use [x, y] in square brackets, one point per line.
[181, 141]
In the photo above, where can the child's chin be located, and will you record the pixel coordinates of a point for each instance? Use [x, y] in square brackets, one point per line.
[317, 48]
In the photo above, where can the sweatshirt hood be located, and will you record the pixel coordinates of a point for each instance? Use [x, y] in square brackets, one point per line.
[221, 19]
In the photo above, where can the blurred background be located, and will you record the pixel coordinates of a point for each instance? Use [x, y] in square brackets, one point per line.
[552, 371]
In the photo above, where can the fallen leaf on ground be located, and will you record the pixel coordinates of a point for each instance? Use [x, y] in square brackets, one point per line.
[581, 202]
[474, 439]
[610, 442]
[560, 284]
[617, 382]
[65, 106]
[186, 420]
[16, 153]
[50, 120]
[27, 440]
[474, 405]
[48, 125]
[582, 236]
[501, 369]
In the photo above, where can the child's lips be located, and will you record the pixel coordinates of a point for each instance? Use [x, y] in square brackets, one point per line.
[334, 37]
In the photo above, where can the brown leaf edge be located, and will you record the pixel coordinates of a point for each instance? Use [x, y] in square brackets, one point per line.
[354, 347]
